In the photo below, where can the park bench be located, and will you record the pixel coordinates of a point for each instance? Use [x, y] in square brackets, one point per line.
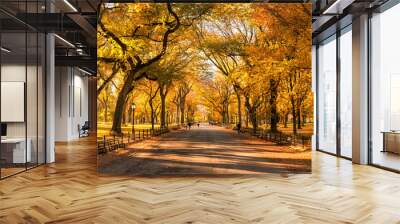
[108, 144]
[279, 137]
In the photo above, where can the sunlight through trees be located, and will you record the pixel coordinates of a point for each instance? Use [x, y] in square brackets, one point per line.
[219, 63]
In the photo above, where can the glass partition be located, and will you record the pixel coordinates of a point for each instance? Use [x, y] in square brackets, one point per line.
[15, 150]
[327, 95]
[22, 88]
[346, 92]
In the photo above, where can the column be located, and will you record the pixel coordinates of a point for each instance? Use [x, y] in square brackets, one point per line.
[360, 90]
[50, 98]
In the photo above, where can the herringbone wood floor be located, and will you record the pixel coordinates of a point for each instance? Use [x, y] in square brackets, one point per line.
[71, 191]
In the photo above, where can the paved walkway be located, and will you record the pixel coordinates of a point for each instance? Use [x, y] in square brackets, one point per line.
[205, 151]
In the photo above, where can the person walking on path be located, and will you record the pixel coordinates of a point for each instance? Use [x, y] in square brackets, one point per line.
[238, 126]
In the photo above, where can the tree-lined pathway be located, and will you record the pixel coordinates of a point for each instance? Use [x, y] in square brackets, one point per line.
[207, 150]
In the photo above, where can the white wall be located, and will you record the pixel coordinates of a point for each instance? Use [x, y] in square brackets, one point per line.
[62, 81]
[80, 109]
[71, 102]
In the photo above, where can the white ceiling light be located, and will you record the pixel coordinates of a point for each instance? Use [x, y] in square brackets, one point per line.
[337, 7]
[84, 71]
[5, 50]
[80, 51]
[70, 5]
[64, 40]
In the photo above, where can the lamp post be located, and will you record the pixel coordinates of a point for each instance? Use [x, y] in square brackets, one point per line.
[133, 107]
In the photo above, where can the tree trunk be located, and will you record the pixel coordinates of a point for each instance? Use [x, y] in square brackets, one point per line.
[182, 105]
[121, 101]
[163, 95]
[272, 104]
[224, 113]
[151, 114]
[105, 112]
[298, 118]
[227, 113]
[294, 119]
[119, 108]
[239, 105]
[124, 118]
[247, 119]
[253, 118]
[286, 120]
[252, 112]
[127, 87]
[177, 113]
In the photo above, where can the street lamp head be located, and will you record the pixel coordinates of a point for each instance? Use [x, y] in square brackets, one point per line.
[133, 106]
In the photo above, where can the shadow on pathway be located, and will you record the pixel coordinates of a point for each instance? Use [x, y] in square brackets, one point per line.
[204, 151]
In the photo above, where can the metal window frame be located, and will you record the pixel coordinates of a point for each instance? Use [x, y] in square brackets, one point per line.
[386, 6]
[339, 32]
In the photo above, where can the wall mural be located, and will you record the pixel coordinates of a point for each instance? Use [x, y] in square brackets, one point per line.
[204, 89]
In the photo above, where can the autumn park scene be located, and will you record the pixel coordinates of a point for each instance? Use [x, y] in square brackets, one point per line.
[204, 89]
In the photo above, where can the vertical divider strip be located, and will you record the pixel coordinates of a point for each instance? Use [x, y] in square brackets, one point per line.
[338, 78]
[316, 119]
[26, 87]
[1, 53]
